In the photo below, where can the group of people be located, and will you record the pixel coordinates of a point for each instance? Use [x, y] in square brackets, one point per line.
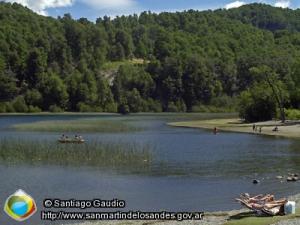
[257, 128]
[65, 137]
[263, 203]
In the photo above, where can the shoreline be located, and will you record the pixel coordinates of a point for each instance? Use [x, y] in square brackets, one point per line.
[288, 130]
[291, 129]
[216, 218]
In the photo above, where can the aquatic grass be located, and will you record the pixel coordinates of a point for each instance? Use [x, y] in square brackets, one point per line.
[77, 126]
[94, 154]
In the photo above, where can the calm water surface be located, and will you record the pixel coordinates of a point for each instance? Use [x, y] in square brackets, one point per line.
[192, 170]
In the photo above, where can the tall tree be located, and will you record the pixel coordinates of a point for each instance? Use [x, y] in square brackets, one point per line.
[278, 88]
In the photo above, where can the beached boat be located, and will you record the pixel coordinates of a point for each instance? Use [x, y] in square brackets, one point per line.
[71, 141]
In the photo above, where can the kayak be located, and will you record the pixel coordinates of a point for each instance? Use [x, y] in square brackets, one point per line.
[71, 141]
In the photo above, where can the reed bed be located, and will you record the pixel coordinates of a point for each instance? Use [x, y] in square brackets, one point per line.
[77, 126]
[95, 154]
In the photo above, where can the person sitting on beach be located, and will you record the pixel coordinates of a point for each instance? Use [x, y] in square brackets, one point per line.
[63, 137]
[276, 129]
[259, 206]
[258, 198]
[263, 204]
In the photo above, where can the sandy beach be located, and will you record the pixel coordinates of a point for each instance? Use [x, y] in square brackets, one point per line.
[290, 129]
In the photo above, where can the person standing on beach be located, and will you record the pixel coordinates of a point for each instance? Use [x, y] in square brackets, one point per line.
[253, 127]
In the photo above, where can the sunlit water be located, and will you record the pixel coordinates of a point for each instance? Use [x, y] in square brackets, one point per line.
[193, 170]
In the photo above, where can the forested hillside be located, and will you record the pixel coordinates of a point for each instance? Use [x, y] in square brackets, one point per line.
[191, 60]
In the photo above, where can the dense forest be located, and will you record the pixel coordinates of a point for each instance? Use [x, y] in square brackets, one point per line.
[184, 61]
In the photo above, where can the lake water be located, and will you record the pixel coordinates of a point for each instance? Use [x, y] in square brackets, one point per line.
[192, 170]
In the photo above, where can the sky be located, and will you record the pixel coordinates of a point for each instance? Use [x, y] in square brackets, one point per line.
[93, 9]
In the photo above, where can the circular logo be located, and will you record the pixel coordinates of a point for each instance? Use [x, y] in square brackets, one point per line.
[20, 206]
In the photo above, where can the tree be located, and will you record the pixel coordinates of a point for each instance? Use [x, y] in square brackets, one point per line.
[279, 92]
[196, 57]
[54, 91]
[105, 96]
[19, 104]
[117, 52]
[125, 40]
[257, 104]
[295, 89]
[36, 65]
[133, 87]
[33, 97]
[8, 88]
[197, 82]
[171, 81]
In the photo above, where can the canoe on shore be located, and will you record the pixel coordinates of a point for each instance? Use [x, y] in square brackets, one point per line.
[71, 141]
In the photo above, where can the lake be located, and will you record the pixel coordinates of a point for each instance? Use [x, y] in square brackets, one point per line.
[192, 169]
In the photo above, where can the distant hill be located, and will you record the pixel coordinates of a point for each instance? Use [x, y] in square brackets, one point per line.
[193, 58]
[267, 17]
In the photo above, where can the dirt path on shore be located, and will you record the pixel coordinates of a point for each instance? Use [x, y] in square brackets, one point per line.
[290, 129]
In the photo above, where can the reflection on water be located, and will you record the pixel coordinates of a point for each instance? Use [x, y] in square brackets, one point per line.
[192, 169]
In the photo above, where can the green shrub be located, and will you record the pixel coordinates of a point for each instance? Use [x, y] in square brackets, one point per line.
[200, 108]
[257, 104]
[9, 107]
[2, 108]
[228, 104]
[34, 109]
[19, 104]
[211, 109]
[111, 107]
[123, 109]
[55, 109]
[82, 107]
[292, 114]
[33, 97]
[180, 106]
[154, 106]
[172, 107]
[97, 109]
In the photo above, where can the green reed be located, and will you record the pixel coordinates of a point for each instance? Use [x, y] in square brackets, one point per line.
[77, 126]
[94, 154]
